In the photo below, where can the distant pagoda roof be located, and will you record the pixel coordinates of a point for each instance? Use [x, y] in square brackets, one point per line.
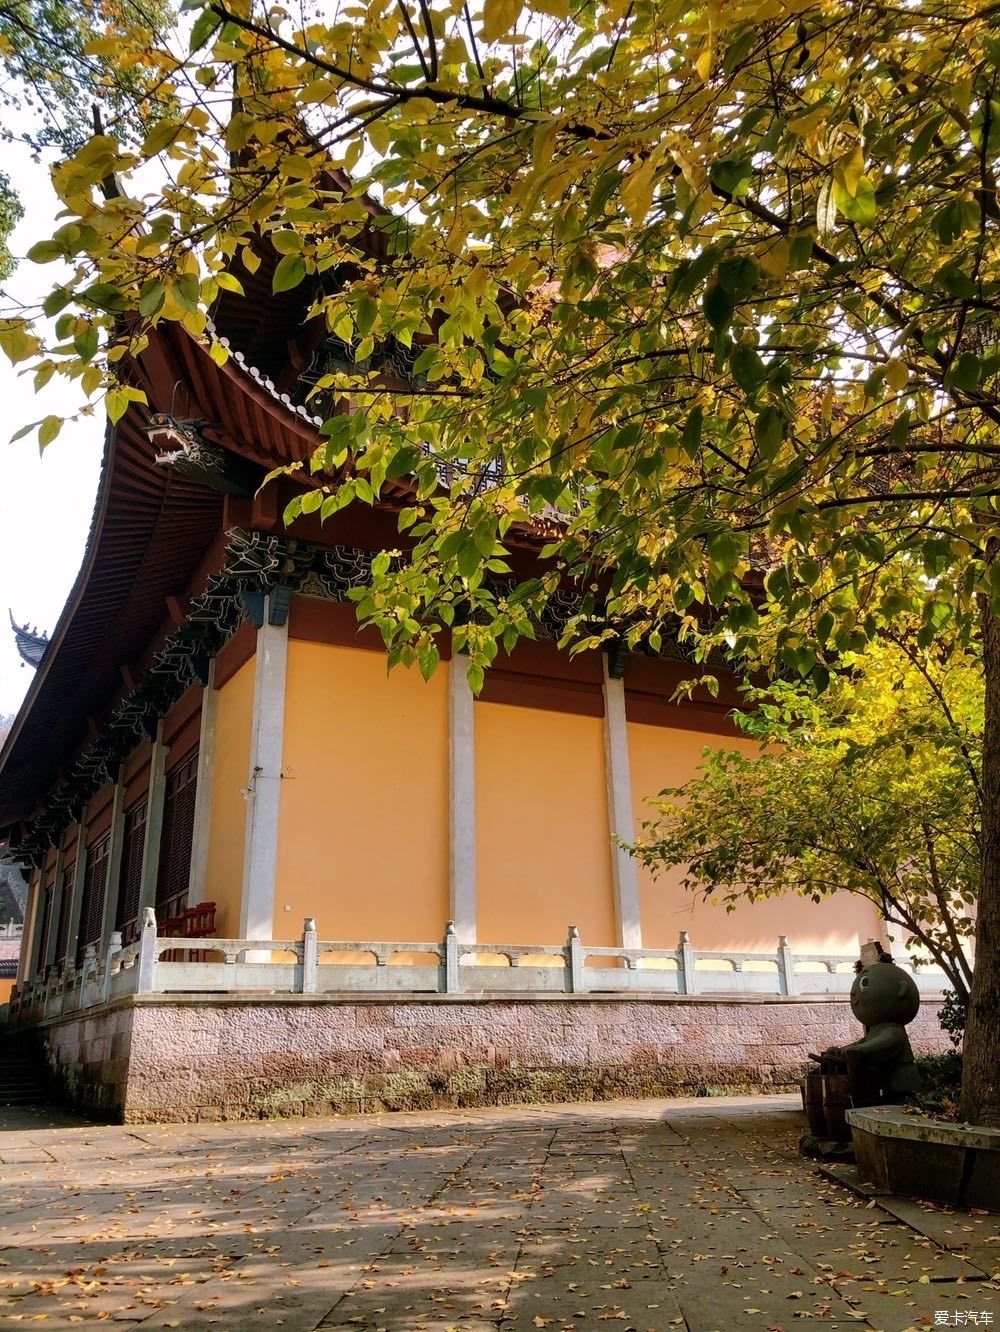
[30, 643]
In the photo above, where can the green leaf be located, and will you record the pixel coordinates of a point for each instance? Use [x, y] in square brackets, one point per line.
[289, 273]
[739, 277]
[106, 296]
[186, 291]
[769, 431]
[469, 560]
[748, 369]
[86, 343]
[859, 207]
[731, 175]
[151, 297]
[57, 299]
[718, 306]
[44, 251]
[427, 659]
[205, 25]
[25, 430]
[691, 434]
[967, 372]
[365, 314]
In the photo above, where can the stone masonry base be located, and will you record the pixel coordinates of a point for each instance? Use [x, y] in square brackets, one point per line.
[197, 1057]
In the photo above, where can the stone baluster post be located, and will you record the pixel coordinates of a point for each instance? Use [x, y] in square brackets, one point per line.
[451, 980]
[786, 967]
[146, 964]
[310, 956]
[687, 980]
[114, 948]
[577, 984]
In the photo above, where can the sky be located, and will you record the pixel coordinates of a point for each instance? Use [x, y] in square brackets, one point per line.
[46, 500]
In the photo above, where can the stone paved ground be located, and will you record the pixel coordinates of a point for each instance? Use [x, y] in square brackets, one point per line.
[650, 1215]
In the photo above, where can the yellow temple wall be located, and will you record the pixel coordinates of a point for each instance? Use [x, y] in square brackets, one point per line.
[224, 876]
[662, 756]
[543, 860]
[363, 825]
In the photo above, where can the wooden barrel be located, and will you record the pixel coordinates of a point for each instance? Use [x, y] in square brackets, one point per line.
[812, 1100]
[836, 1100]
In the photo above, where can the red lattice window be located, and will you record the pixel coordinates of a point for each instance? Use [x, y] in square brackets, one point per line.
[65, 894]
[177, 837]
[46, 928]
[130, 875]
[95, 881]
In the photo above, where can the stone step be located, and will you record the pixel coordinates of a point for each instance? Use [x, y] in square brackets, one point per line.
[22, 1074]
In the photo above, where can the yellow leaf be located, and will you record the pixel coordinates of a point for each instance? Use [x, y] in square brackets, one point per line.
[804, 125]
[897, 374]
[499, 18]
[218, 353]
[774, 259]
[849, 169]
[317, 91]
[637, 190]
[296, 166]
[378, 137]
[703, 64]
[102, 46]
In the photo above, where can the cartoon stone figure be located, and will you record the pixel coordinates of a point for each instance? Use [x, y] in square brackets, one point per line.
[880, 1065]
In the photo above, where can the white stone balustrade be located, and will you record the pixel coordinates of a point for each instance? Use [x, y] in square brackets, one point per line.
[11, 929]
[157, 965]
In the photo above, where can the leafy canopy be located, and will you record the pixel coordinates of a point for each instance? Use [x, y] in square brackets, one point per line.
[59, 59]
[704, 285]
[870, 788]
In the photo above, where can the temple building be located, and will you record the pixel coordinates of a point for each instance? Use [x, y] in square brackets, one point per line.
[212, 751]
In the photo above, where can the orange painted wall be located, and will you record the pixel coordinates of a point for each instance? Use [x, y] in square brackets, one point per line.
[363, 833]
[543, 858]
[224, 878]
[664, 756]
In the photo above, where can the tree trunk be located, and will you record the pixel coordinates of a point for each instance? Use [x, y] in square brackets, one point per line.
[981, 1065]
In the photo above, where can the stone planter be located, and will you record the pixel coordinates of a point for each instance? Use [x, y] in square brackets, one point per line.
[922, 1158]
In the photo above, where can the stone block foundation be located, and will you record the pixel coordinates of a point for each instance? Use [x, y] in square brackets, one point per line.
[196, 1057]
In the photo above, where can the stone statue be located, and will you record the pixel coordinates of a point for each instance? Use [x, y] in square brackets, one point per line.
[880, 1065]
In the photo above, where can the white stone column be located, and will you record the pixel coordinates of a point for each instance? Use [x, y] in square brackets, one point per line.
[115, 843]
[203, 790]
[619, 788]
[30, 931]
[267, 734]
[462, 799]
[52, 941]
[154, 822]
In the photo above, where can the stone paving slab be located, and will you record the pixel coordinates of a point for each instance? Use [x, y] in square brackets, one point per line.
[645, 1215]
